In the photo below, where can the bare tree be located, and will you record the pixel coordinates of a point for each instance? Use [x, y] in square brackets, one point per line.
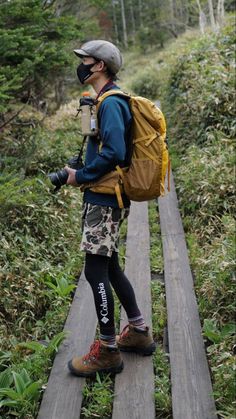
[115, 20]
[132, 17]
[202, 18]
[172, 14]
[186, 13]
[220, 12]
[140, 9]
[124, 23]
[211, 13]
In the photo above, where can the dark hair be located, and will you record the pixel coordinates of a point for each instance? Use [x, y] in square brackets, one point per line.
[111, 75]
[108, 72]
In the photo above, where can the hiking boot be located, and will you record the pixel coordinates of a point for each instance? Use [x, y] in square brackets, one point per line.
[135, 340]
[101, 359]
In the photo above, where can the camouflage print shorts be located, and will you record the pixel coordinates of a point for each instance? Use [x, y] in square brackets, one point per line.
[101, 228]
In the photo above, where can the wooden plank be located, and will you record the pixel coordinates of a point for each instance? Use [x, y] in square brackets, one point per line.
[63, 396]
[134, 387]
[190, 377]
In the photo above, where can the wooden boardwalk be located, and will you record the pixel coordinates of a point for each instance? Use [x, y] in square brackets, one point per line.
[63, 396]
[134, 387]
[190, 377]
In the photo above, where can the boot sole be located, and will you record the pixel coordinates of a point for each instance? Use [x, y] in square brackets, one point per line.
[141, 351]
[112, 370]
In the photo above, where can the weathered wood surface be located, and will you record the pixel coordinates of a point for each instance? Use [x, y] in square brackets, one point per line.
[134, 387]
[63, 396]
[190, 378]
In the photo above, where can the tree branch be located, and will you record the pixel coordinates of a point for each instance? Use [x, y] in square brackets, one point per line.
[47, 6]
[13, 117]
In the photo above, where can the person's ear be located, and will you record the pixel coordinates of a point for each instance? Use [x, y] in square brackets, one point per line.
[100, 65]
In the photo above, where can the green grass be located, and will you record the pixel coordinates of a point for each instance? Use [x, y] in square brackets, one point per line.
[156, 258]
[39, 258]
[98, 397]
[40, 232]
[159, 318]
[202, 130]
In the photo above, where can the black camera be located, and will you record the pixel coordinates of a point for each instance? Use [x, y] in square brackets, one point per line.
[59, 178]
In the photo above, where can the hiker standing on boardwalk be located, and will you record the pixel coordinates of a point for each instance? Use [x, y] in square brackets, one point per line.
[102, 218]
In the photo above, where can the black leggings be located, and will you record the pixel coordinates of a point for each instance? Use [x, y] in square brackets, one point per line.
[100, 272]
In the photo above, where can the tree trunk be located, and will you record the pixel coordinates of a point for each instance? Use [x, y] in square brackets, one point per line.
[140, 9]
[124, 23]
[211, 13]
[220, 12]
[59, 92]
[132, 17]
[172, 15]
[202, 18]
[186, 14]
[180, 11]
[115, 21]
[184, 6]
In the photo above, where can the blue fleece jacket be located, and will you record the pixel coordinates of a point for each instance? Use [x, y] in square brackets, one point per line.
[114, 121]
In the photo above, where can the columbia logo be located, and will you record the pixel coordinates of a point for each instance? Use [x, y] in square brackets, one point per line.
[105, 320]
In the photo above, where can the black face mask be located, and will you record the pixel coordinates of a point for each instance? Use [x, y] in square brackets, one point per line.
[83, 72]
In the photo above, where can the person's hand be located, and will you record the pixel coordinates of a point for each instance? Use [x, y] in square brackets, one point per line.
[71, 178]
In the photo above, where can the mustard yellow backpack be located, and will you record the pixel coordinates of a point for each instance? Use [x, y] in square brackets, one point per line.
[144, 179]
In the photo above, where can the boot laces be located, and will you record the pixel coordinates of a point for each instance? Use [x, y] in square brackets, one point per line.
[125, 331]
[94, 351]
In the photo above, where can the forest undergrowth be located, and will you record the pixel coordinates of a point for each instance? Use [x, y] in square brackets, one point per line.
[194, 80]
[199, 103]
[40, 231]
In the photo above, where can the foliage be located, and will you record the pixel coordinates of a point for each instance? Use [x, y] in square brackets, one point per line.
[222, 364]
[40, 231]
[98, 397]
[201, 89]
[33, 53]
[211, 171]
[199, 104]
[62, 288]
[156, 256]
[160, 358]
[24, 393]
[206, 195]
[207, 204]
[215, 335]
[162, 385]
[38, 259]
[148, 24]
[147, 83]
[159, 320]
[19, 391]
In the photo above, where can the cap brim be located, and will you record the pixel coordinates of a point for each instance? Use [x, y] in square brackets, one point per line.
[81, 53]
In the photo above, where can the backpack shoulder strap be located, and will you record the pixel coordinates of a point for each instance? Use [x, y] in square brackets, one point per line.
[111, 93]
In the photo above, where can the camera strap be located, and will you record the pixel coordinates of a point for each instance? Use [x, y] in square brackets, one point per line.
[81, 149]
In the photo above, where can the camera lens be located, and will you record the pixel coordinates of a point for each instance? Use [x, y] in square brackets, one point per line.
[59, 178]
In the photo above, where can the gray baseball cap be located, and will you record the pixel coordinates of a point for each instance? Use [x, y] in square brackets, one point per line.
[102, 50]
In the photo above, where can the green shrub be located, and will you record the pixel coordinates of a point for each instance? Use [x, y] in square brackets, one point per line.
[147, 84]
[38, 263]
[33, 52]
[98, 397]
[39, 258]
[199, 105]
[201, 95]
[205, 185]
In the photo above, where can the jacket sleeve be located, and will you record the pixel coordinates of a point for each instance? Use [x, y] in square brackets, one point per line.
[113, 150]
